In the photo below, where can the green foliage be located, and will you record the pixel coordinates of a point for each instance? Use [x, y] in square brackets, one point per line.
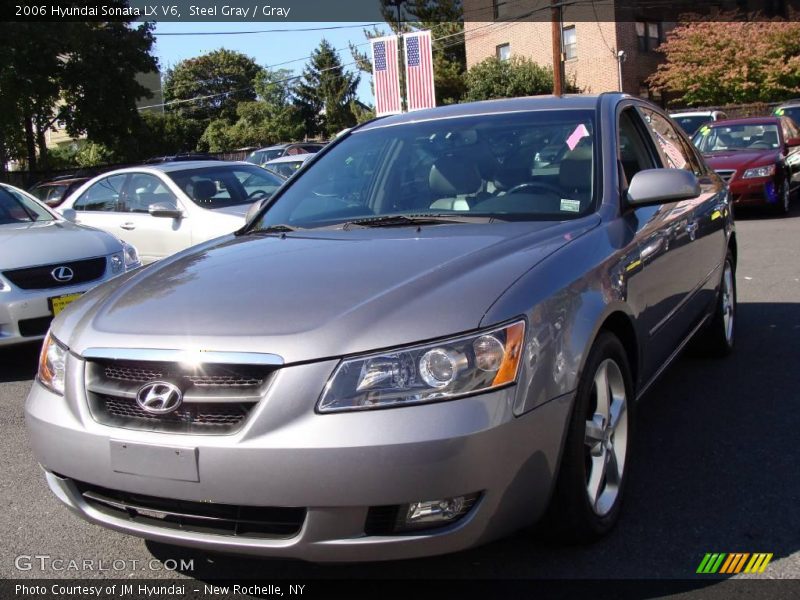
[215, 83]
[445, 19]
[324, 93]
[161, 134]
[81, 73]
[519, 76]
[715, 63]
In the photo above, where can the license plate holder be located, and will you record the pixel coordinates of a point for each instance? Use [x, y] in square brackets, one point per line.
[150, 460]
[59, 303]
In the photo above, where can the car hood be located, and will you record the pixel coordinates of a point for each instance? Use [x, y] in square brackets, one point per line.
[238, 210]
[741, 159]
[308, 295]
[47, 242]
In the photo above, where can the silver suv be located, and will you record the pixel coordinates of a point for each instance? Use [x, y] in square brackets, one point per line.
[422, 342]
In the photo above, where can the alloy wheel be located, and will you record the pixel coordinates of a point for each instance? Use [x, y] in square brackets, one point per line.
[728, 303]
[606, 438]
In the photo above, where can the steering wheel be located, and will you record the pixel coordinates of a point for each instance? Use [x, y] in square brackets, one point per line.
[257, 195]
[551, 189]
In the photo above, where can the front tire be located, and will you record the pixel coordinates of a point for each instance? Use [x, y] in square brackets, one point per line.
[717, 340]
[588, 494]
[784, 197]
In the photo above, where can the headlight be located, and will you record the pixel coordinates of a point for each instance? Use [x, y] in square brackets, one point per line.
[766, 171]
[51, 364]
[427, 373]
[126, 260]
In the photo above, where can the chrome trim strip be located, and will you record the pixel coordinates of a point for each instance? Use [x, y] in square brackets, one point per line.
[186, 356]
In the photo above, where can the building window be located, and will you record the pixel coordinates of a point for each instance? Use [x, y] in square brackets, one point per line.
[570, 43]
[650, 35]
[500, 8]
[503, 51]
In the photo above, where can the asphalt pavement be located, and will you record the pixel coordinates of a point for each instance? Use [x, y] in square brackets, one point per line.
[715, 466]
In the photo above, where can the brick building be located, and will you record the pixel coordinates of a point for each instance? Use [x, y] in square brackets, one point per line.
[593, 33]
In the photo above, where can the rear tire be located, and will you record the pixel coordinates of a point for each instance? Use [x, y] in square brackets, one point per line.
[718, 339]
[588, 493]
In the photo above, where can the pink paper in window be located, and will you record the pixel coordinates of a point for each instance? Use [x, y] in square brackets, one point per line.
[576, 136]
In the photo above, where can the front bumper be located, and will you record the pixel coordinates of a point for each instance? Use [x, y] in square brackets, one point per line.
[336, 466]
[761, 191]
[25, 315]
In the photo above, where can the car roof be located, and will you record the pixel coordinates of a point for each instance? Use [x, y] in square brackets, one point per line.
[490, 107]
[291, 158]
[693, 113]
[181, 165]
[747, 121]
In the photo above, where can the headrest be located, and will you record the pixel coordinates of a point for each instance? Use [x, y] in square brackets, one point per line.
[452, 176]
[771, 137]
[204, 189]
[575, 173]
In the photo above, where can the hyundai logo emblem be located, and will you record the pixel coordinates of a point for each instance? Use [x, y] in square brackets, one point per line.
[159, 397]
[62, 274]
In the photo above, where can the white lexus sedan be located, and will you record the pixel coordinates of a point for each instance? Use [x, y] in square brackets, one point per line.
[46, 262]
[162, 209]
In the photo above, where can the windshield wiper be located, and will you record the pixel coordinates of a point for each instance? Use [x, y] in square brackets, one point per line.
[418, 219]
[281, 228]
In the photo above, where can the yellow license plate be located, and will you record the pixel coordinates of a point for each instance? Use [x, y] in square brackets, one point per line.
[59, 303]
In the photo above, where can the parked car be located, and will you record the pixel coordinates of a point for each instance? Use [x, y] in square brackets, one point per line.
[164, 208]
[691, 121]
[286, 166]
[416, 347]
[789, 109]
[53, 191]
[48, 262]
[185, 156]
[758, 157]
[263, 155]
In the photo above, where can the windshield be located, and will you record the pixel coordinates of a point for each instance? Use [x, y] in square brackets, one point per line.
[259, 157]
[793, 112]
[285, 169]
[691, 124]
[521, 166]
[761, 136]
[218, 187]
[15, 207]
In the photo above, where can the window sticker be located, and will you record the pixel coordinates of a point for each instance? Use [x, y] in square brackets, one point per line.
[576, 136]
[779, 111]
[570, 205]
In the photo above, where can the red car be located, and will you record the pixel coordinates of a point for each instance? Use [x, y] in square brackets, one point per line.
[758, 157]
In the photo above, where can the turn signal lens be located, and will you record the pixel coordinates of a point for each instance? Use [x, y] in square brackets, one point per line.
[52, 365]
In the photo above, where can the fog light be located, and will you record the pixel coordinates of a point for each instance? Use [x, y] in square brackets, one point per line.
[435, 513]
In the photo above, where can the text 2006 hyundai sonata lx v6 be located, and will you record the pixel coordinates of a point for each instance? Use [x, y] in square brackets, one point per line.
[433, 336]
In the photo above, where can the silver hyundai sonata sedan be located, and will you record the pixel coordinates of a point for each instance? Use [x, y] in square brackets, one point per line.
[434, 335]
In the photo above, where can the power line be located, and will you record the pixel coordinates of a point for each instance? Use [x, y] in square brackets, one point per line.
[298, 29]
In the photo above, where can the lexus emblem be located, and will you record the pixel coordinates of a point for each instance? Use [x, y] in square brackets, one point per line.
[159, 397]
[62, 274]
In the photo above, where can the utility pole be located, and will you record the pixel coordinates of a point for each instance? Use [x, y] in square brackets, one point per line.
[558, 60]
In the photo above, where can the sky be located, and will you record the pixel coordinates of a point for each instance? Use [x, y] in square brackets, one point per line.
[266, 48]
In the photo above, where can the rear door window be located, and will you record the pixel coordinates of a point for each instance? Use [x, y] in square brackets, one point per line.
[103, 196]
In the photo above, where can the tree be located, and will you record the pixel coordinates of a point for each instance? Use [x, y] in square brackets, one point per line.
[519, 76]
[445, 19]
[324, 93]
[81, 73]
[714, 63]
[161, 134]
[211, 86]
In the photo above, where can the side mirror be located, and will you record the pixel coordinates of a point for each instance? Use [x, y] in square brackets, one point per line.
[70, 214]
[793, 142]
[254, 208]
[659, 186]
[166, 210]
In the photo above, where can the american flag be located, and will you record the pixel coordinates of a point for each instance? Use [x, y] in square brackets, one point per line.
[419, 70]
[386, 76]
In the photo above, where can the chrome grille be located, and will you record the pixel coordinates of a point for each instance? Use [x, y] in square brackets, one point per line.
[726, 174]
[217, 398]
[40, 278]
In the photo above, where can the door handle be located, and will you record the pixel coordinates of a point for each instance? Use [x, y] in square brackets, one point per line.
[128, 226]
